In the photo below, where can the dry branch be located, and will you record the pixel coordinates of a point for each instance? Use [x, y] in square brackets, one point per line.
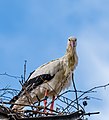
[102, 86]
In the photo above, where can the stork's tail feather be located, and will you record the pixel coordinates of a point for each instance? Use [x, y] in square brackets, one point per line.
[13, 100]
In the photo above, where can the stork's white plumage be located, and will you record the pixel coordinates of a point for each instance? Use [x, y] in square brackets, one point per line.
[52, 77]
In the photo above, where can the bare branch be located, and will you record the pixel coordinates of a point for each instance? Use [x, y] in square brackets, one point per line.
[5, 74]
[102, 86]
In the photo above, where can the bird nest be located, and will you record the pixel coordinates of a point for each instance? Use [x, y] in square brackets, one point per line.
[65, 105]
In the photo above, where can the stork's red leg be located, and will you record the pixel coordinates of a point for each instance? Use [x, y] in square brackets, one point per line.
[52, 104]
[45, 101]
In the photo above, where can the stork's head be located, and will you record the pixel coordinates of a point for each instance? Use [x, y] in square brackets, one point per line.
[71, 47]
[72, 42]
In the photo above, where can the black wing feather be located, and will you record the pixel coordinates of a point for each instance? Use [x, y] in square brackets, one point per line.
[33, 83]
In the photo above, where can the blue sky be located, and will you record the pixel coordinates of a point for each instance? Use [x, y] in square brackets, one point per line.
[37, 30]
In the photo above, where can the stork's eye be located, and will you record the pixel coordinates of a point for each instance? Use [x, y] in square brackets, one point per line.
[75, 39]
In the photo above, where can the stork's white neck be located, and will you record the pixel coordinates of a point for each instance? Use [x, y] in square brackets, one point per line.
[71, 59]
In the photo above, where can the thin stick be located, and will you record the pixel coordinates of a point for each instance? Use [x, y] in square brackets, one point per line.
[25, 70]
[75, 91]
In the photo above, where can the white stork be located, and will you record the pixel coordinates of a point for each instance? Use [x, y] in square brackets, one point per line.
[49, 79]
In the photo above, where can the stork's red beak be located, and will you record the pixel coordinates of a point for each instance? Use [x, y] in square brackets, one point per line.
[73, 44]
